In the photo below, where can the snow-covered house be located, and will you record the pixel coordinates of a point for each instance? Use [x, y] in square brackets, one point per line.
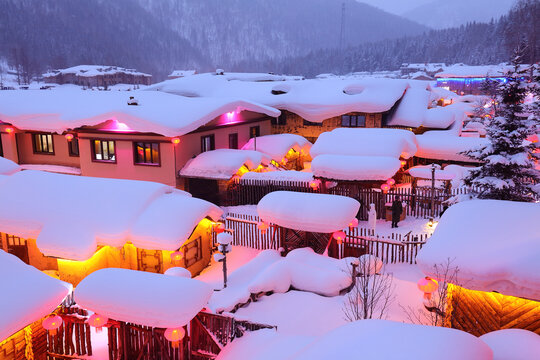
[287, 151]
[181, 73]
[97, 75]
[491, 249]
[71, 226]
[99, 134]
[27, 296]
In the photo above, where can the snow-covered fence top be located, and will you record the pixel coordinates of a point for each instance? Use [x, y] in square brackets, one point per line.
[143, 298]
[494, 244]
[69, 216]
[157, 112]
[223, 163]
[278, 145]
[322, 213]
[27, 294]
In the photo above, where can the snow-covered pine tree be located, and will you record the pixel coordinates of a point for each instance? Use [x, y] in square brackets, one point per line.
[508, 167]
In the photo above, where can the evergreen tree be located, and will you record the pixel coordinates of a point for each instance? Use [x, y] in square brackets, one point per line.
[508, 167]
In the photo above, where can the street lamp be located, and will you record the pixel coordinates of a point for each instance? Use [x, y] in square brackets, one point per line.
[224, 240]
[433, 168]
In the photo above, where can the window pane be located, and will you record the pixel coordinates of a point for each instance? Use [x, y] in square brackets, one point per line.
[345, 120]
[37, 139]
[49, 144]
[97, 150]
[155, 153]
[361, 121]
[111, 151]
[139, 152]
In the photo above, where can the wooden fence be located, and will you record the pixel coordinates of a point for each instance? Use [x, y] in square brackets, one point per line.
[72, 338]
[418, 200]
[395, 248]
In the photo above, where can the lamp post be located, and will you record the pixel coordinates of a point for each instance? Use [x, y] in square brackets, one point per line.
[224, 240]
[433, 167]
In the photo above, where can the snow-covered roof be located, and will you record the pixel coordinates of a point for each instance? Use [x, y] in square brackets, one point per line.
[27, 294]
[277, 146]
[366, 142]
[355, 168]
[313, 99]
[445, 146]
[53, 168]
[182, 73]
[69, 216]
[425, 172]
[474, 71]
[321, 213]
[8, 167]
[285, 175]
[157, 112]
[511, 344]
[143, 298]
[222, 163]
[372, 339]
[94, 70]
[494, 244]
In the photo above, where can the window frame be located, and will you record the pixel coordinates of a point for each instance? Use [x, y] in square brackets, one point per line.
[254, 131]
[311, 123]
[93, 151]
[280, 120]
[34, 143]
[197, 244]
[353, 120]
[144, 142]
[212, 142]
[70, 147]
[233, 137]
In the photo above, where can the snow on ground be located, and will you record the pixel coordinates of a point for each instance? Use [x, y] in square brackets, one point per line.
[513, 344]
[285, 175]
[53, 168]
[411, 225]
[8, 167]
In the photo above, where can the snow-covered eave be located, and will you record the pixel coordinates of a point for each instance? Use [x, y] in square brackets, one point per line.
[319, 113]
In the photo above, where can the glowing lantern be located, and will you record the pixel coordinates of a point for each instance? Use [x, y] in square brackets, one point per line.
[219, 228]
[339, 236]
[263, 227]
[175, 141]
[353, 223]
[177, 256]
[314, 184]
[391, 182]
[69, 137]
[97, 321]
[403, 163]
[9, 130]
[284, 160]
[175, 335]
[428, 286]
[385, 187]
[52, 323]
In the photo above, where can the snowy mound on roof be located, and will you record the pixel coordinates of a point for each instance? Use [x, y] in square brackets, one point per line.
[277, 146]
[446, 146]
[513, 344]
[94, 70]
[494, 244]
[366, 142]
[27, 294]
[143, 298]
[321, 213]
[157, 112]
[69, 216]
[285, 175]
[371, 339]
[350, 167]
[8, 167]
[425, 172]
[223, 163]
[474, 71]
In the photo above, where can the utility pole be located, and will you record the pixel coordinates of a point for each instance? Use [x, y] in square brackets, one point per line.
[433, 191]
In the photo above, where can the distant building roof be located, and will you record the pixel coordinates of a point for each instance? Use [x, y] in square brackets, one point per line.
[94, 70]
[182, 73]
[476, 71]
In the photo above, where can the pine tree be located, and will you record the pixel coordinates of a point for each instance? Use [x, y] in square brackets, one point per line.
[508, 167]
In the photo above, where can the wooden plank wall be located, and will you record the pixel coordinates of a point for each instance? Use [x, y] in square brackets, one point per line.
[14, 348]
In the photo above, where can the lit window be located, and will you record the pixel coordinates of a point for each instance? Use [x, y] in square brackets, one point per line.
[254, 131]
[103, 150]
[43, 144]
[207, 143]
[146, 153]
[73, 147]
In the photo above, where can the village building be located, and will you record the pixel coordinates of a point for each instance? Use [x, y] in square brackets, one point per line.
[70, 226]
[181, 73]
[97, 76]
[487, 246]
[427, 69]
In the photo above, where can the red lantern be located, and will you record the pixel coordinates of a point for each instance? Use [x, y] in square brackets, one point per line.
[9, 130]
[385, 187]
[339, 236]
[353, 223]
[175, 335]
[69, 137]
[175, 141]
[428, 286]
[52, 323]
[263, 227]
[314, 184]
[403, 163]
[219, 228]
[177, 256]
[391, 182]
[97, 321]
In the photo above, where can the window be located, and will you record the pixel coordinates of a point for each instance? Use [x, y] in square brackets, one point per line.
[254, 131]
[103, 150]
[73, 147]
[192, 252]
[233, 141]
[146, 153]
[353, 121]
[43, 144]
[280, 120]
[309, 123]
[207, 143]
[1, 148]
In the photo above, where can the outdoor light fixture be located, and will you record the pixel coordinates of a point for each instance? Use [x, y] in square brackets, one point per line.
[177, 256]
[391, 182]
[69, 137]
[385, 187]
[428, 286]
[314, 184]
[339, 236]
[52, 323]
[9, 130]
[97, 321]
[353, 223]
[403, 163]
[224, 240]
[175, 141]
[218, 228]
[175, 335]
[263, 227]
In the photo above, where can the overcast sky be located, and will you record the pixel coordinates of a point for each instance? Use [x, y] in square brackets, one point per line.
[401, 6]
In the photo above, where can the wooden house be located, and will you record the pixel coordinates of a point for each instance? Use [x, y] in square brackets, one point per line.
[489, 249]
[97, 75]
[70, 226]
